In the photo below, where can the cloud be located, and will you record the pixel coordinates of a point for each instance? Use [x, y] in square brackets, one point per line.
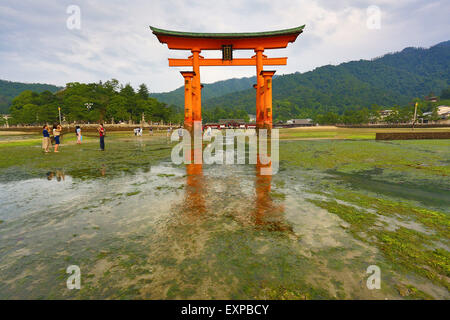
[115, 41]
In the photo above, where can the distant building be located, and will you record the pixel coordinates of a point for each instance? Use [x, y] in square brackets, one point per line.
[385, 113]
[233, 123]
[443, 111]
[6, 117]
[225, 121]
[431, 98]
[252, 117]
[301, 122]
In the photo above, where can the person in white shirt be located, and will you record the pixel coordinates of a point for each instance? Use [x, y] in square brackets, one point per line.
[180, 133]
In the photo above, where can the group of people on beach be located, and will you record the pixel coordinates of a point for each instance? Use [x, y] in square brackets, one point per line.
[138, 132]
[57, 132]
[47, 141]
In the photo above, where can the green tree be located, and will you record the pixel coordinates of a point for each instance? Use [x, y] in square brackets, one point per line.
[26, 97]
[143, 91]
[434, 114]
[112, 85]
[117, 110]
[328, 118]
[91, 102]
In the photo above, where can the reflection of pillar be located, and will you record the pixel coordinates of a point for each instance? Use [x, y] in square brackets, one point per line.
[196, 87]
[259, 88]
[267, 75]
[194, 197]
[263, 199]
[267, 214]
[188, 75]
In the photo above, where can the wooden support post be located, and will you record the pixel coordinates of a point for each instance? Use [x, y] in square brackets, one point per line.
[188, 76]
[197, 93]
[267, 75]
[259, 87]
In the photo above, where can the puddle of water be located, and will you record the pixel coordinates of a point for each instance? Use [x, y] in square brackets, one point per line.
[430, 195]
[393, 224]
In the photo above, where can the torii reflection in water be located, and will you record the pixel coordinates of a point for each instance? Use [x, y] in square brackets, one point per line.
[266, 214]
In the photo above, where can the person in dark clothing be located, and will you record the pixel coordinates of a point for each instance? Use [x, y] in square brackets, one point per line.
[101, 132]
[46, 142]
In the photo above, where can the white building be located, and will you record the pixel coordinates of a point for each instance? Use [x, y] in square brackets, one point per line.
[443, 111]
[301, 122]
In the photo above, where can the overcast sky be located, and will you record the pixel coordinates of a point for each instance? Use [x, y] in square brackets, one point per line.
[114, 39]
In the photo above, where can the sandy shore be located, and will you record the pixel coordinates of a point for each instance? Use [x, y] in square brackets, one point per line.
[15, 133]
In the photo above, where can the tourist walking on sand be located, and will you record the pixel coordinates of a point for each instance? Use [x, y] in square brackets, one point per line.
[168, 134]
[180, 133]
[208, 131]
[101, 132]
[78, 133]
[56, 134]
[46, 142]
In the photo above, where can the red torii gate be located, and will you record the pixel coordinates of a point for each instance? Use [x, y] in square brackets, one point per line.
[227, 42]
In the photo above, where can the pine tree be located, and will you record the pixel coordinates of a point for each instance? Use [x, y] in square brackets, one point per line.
[143, 91]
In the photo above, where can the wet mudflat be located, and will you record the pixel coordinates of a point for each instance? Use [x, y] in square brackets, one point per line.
[140, 227]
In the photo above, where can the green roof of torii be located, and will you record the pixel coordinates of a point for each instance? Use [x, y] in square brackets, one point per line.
[283, 32]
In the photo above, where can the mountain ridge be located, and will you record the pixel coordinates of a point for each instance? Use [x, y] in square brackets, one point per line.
[389, 80]
[393, 78]
[10, 89]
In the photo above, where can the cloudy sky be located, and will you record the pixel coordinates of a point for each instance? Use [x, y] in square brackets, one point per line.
[114, 39]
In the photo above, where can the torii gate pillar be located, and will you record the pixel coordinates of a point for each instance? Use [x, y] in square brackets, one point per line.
[259, 88]
[196, 86]
[188, 97]
[267, 112]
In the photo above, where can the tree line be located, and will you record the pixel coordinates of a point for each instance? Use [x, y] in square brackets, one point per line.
[112, 102]
[109, 102]
[9, 90]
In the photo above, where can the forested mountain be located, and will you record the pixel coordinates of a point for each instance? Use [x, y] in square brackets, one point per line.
[209, 91]
[393, 79]
[9, 90]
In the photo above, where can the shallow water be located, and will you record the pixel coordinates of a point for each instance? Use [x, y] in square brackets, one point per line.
[211, 231]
